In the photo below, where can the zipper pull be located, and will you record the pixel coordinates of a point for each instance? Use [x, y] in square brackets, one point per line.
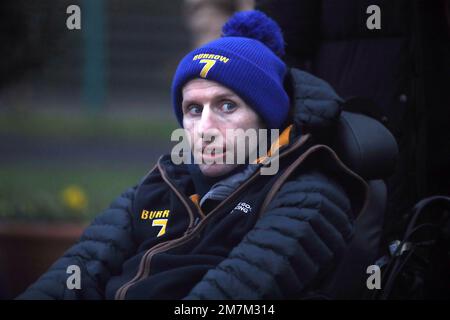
[197, 219]
[189, 229]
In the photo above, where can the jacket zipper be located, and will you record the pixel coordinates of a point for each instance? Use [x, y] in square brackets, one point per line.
[144, 266]
[121, 292]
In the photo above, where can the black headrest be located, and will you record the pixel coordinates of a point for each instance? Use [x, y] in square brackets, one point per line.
[365, 146]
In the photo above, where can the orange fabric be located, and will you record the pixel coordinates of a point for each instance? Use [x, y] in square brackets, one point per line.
[195, 198]
[282, 140]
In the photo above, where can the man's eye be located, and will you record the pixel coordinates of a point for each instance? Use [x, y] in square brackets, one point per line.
[194, 109]
[228, 106]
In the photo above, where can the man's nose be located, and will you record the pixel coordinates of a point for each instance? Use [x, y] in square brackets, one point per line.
[207, 125]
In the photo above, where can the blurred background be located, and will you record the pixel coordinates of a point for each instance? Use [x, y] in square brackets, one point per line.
[84, 114]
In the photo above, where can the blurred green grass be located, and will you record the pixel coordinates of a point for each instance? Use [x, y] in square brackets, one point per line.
[29, 193]
[33, 191]
[43, 125]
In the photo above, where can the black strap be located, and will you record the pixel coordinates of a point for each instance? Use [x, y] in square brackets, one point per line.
[399, 259]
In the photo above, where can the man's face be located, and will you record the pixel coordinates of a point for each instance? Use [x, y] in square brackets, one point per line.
[209, 109]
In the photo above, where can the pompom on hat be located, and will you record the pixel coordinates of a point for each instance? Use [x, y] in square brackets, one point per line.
[247, 60]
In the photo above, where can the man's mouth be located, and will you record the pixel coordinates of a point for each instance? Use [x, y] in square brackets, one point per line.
[213, 152]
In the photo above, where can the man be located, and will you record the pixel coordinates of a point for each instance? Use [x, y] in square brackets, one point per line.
[204, 18]
[219, 230]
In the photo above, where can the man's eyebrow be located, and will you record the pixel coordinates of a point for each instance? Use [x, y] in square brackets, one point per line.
[225, 95]
[187, 101]
[220, 96]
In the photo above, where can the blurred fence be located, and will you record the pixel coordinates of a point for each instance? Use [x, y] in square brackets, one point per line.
[131, 56]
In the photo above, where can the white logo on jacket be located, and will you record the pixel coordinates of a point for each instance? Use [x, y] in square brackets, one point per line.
[244, 207]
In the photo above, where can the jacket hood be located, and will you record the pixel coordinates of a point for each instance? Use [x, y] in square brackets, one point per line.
[316, 106]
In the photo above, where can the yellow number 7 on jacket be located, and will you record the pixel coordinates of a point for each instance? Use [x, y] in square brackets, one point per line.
[160, 223]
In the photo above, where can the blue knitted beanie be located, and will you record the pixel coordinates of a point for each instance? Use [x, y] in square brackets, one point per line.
[247, 60]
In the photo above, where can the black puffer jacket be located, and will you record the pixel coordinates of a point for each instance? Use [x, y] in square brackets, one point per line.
[275, 236]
